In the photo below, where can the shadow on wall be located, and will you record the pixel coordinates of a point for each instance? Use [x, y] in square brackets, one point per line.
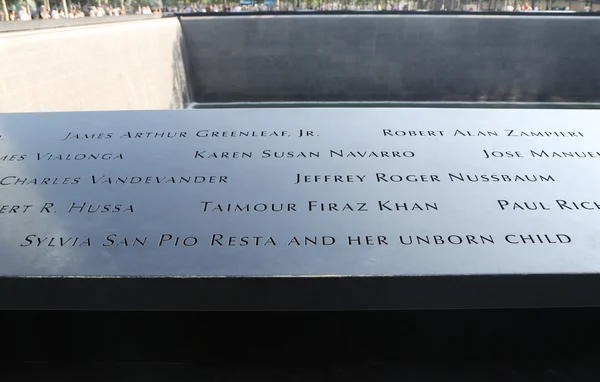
[181, 91]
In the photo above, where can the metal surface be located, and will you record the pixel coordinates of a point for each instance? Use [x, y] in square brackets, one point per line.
[367, 208]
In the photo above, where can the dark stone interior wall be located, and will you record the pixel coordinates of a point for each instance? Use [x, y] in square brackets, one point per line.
[394, 58]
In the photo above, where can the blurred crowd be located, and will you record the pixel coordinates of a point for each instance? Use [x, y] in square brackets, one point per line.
[56, 13]
[405, 5]
[25, 14]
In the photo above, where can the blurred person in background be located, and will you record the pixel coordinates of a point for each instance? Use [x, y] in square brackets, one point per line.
[43, 13]
[24, 15]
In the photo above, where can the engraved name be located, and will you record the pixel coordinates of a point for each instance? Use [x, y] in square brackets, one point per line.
[127, 135]
[105, 179]
[541, 154]
[223, 240]
[87, 136]
[39, 241]
[74, 207]
[315, 205]
[564, 154]
[485, 178]
[12, 157]
[80, 156]
[205, 133]
[14, 208]
[204, 154]
[13, 180]
[381, 177]
[381, 205]
[241, 134]
[99, 208]
[560, 204]
[328, 178]
[482, 133]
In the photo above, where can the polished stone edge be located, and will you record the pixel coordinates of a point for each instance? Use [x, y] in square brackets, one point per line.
[396, 104]
[420, 12]
[299, 293]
